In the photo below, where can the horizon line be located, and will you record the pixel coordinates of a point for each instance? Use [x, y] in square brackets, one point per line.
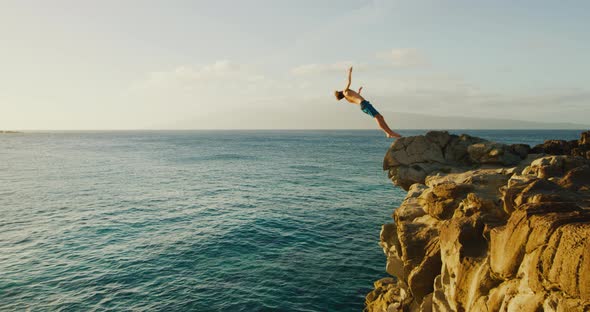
[285, 129]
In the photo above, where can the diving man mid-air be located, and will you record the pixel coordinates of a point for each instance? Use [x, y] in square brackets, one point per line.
[356, 98]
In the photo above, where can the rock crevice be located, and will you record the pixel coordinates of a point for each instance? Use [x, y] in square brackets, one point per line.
[487, 226]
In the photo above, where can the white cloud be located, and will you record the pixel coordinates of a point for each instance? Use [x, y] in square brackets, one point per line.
[462, 99]
[338, 67]
[217, 88]
[245, 97]
[223, 71]
[399, 58]
[404, 58]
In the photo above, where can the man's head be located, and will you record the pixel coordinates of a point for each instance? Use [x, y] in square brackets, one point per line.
[339, 95]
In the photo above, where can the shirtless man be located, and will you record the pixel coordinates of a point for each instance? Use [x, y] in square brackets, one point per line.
[356, 98]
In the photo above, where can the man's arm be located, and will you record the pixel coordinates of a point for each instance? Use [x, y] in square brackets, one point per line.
[349, 78]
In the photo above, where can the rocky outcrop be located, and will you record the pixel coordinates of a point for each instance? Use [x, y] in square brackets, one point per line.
[411, 159]
[579, 147]
[487, 226]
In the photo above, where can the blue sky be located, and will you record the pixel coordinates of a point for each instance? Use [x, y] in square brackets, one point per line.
[273, 64]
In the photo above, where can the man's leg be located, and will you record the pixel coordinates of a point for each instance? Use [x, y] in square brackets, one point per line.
[383, 125]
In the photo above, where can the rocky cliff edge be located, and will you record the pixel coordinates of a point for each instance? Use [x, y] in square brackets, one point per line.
[487, 226]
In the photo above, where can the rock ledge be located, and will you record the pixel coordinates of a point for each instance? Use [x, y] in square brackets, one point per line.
[487, 226]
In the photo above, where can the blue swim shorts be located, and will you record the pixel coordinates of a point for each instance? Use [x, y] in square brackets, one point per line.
[368, 109]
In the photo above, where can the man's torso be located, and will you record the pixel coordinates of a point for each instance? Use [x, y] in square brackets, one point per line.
[353, 96]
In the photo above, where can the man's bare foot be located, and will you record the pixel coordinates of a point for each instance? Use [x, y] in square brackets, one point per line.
[394, 135]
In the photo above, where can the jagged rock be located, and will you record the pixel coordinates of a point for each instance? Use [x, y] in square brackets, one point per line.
[554, 147]
[521, 150]
[409, 150]
[405, 176]
[576, 179]
[441, 200]
[456, 150]
[487, 226]
[387, 297]
[554, 166]
[411, 208]
[411, 159]
[579, 147]
[493, 153]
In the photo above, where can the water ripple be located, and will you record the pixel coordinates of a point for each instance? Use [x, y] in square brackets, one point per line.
[195, 221]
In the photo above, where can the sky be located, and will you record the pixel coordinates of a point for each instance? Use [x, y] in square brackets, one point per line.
[275, 63]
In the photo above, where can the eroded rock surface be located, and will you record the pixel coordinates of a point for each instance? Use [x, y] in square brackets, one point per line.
[411, 159]
[487, 226]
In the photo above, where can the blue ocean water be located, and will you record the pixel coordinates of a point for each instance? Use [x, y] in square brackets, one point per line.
[197, 220]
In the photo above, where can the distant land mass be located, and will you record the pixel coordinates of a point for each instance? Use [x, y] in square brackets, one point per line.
[420, 121]
[350, 118]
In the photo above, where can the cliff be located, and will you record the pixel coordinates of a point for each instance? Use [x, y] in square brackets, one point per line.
[487, 226]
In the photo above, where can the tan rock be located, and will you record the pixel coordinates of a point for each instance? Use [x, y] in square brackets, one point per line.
[441, 200]
[486, 227]
[493, 153]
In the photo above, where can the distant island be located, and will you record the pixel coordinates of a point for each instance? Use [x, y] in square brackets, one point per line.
[8, 132]
[348, 119]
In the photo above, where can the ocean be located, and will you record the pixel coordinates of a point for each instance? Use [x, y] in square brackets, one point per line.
[198, 220]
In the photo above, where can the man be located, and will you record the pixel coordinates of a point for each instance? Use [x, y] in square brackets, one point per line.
[356, 98]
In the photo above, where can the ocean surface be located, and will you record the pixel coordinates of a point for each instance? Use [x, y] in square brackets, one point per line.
[197, 220]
